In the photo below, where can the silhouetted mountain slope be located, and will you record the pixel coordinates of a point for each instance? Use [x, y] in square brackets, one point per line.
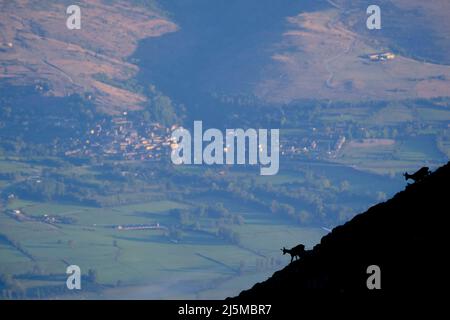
[403, 236]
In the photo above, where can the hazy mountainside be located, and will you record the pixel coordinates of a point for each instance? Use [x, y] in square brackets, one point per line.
[294, 50]
[221, 47]
[324, 54]
[417, 29]
[403, 236]
[277, 51]
[36, 48]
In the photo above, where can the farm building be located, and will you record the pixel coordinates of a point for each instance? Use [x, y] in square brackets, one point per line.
[381, 56]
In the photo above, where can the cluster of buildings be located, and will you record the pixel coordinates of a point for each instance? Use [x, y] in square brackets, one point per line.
[317, 144]
[21, 216]
[120, 139]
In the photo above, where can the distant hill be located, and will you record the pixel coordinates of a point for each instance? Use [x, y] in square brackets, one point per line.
[323, 53]
[416, 28]
[403, 236]
[278, 51]
[37, 49]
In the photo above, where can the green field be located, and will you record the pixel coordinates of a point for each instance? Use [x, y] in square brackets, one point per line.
[141, 257]
[404, 154]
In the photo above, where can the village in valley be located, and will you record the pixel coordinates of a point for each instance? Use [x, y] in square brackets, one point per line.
[120, 138]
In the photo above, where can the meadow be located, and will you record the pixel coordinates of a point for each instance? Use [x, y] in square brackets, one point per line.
[127, 259]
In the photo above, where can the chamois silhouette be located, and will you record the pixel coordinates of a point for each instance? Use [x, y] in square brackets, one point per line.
[295, 252]
[419, 175]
